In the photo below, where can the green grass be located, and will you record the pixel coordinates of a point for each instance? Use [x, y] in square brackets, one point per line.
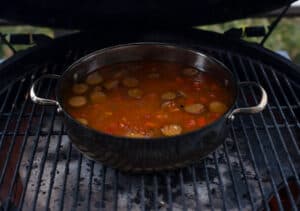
[5, 52]
[286, 36]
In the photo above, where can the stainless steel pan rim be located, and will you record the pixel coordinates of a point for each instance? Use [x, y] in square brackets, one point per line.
[229, 114]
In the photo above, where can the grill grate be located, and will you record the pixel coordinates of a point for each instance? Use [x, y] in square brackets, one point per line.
[39, 168]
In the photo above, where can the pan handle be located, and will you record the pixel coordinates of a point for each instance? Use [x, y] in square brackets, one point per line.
[252, 109]
[40, 100]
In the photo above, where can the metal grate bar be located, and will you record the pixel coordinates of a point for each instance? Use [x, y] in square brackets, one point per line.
[279, 85]
[102, 193]
[17, 126]
[255, 170]
[24, 142]
[42, 164]
[34, 149]
[208, 185]
[233, 137]
[195, 188]
[155, 192]
[181, 182]
[278, 105]
[291, 163]
[4, 103]
[91, 164]
[169, 190]
[115, 189]
[279, 133]
[54, 167]
[235, 189]
[129, 194]
[272, 145]
[259, 143]
[10, 116]
[293, 93]
[221, 185]
[75, 201]
[242, 165]
[269, 137]
[142, 193]
[66, 171]
[280, 110]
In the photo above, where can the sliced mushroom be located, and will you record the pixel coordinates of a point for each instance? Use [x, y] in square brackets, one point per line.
[82, 121]
[217, 107]
[80, 88]
[135, 93]
[77, 101]
[94, 78]
[111, 84]
[196, 108]
[153, 75]
[171, 130]
[168, 96]
[97, 97]
[190, 71]
[130, 82]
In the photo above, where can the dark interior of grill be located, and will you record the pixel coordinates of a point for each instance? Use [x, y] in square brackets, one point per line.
[257, 167]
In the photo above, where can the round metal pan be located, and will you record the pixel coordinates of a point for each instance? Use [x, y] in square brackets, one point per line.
[147, 154]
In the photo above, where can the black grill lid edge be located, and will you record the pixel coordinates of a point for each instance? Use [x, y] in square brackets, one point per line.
[178, 36]
[91, 14]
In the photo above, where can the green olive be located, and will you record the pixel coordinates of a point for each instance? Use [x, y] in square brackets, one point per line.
[79, 88]
[130, 82]
[94, 78]
[77, 101]
[217, 107]
[97, 97]
[135, 93]
[168, 96]
[196, 108]
[82, 121]
[111, 84]
[190, 71]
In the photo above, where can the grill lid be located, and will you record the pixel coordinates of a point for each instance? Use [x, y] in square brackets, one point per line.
[93, 14]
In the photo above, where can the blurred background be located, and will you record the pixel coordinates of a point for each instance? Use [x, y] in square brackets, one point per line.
[285, 37]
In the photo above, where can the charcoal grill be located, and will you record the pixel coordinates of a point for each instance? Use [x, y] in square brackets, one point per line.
[257, 167]
[41, 170]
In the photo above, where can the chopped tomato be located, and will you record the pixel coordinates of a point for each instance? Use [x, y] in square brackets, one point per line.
[179, 80]
[190, 101]
[197, 84]
[203, 100]
[150, 124]
[201, 121]
[190, 123]
[214, 87]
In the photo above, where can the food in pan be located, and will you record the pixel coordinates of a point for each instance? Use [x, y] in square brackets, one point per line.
[147, 99]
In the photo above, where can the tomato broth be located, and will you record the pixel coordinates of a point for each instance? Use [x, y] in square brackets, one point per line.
[147, 99]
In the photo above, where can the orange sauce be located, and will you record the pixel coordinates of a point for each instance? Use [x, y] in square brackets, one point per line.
[147, 99]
